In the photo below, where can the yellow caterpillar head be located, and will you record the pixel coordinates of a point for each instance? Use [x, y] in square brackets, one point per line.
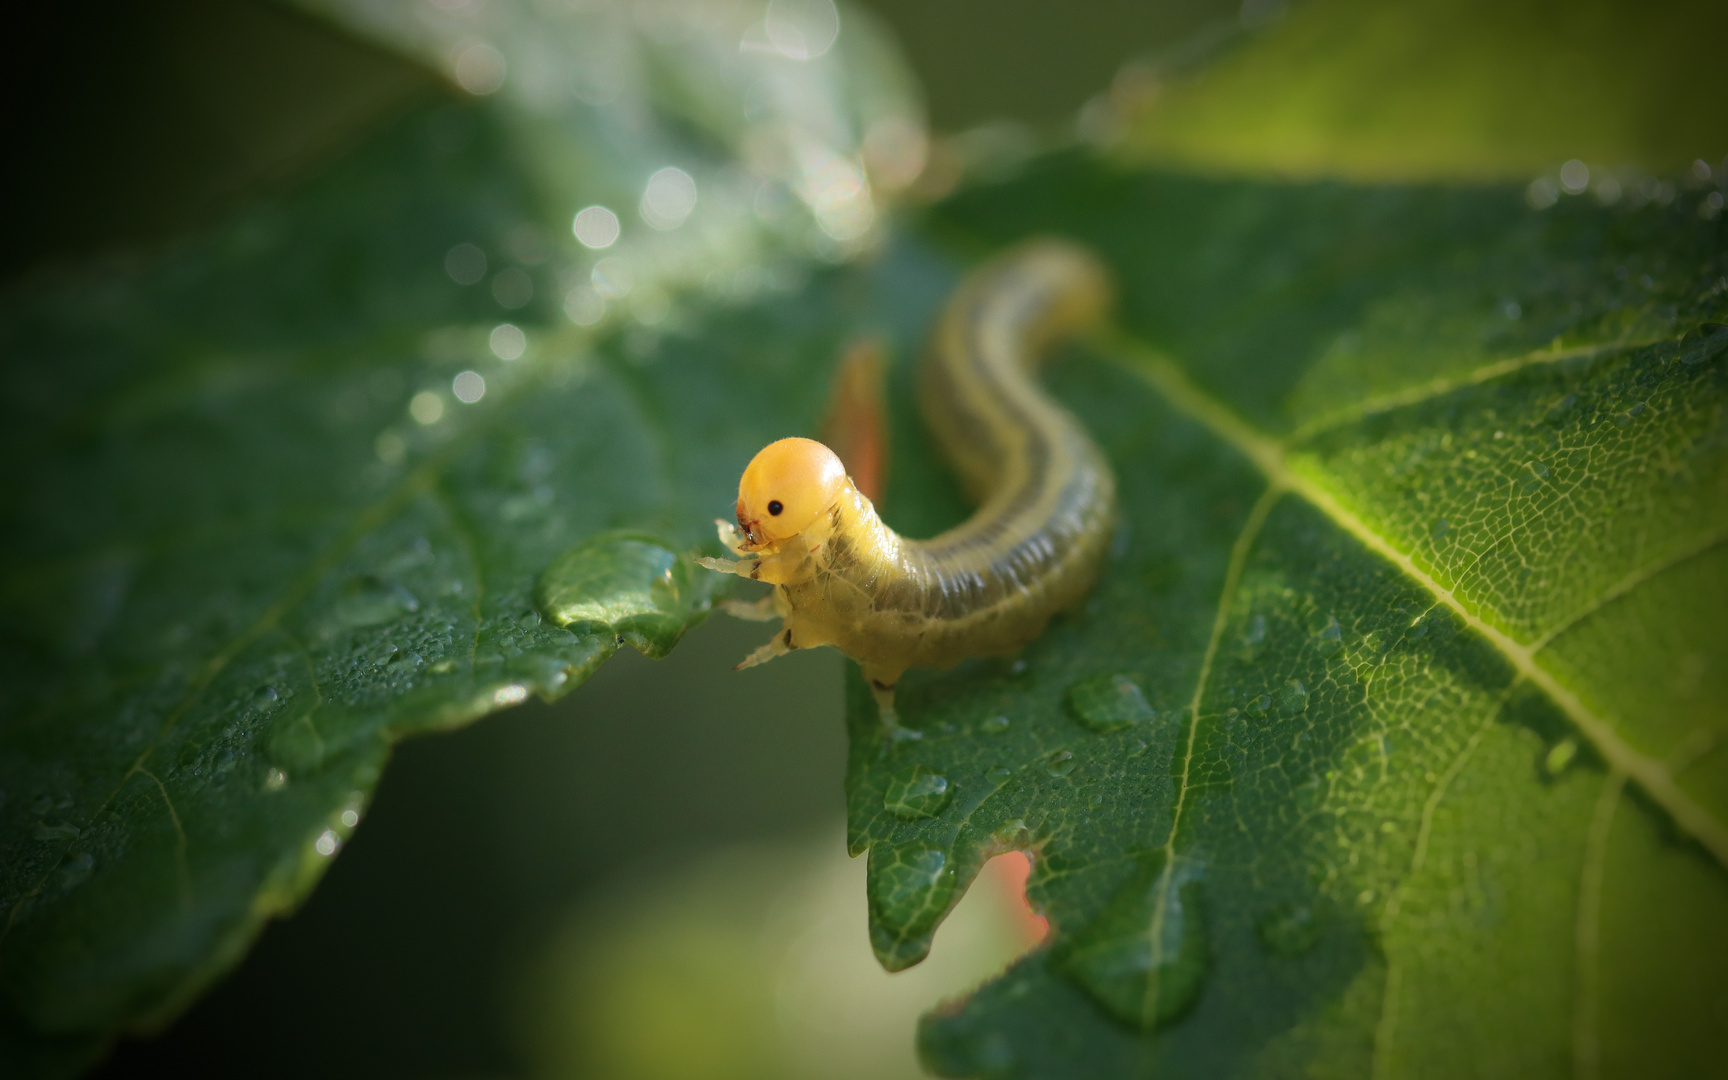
[785, 488]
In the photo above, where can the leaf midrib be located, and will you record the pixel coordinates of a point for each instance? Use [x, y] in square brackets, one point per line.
[1270, 457]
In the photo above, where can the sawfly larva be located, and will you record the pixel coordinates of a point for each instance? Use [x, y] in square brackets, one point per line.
[1046, 499]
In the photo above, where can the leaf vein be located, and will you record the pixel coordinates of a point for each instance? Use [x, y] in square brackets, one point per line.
[1220, 618]
[1437, 388]
[1169, 380]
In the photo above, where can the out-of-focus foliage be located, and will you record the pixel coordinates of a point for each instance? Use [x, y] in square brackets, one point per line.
[1390, 743]
[751, 964]
[1453, 89]
[377, 458]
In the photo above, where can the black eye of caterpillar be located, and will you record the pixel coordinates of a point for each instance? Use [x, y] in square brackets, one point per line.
[774, 507]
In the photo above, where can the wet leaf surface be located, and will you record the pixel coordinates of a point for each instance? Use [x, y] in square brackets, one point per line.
[1398, 713]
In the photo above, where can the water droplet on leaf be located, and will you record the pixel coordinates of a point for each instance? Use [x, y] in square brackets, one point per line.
[1293, 698]
[1108, 703]
[627, 587]
[1704, 344]
[1254, 636]
[908, 891]
[1330, 638]
[917, 793]
[993, 725]
[1060, 764]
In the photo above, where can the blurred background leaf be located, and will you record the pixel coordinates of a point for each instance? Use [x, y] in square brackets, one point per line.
[1442, 89]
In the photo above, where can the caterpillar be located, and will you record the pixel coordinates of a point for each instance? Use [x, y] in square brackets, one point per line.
[1045, 497]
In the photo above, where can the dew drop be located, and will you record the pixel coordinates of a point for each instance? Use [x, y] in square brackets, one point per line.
[1144, 958]
[917, 793]
[327, 843]
[993, 725]
[1704, 344]
[1330, 638]
[275, 779]
[908, 891]
[1060, 764]
[264, 699]
[1560, 756]
[998, 774]
[1256, 632]
[1108, 703]
[1293, 698]
[1290, 930]
[1258, 705]
[628, 587]
[1535, 476]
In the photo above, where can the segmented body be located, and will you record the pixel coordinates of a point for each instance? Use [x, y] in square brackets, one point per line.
[1046, 495]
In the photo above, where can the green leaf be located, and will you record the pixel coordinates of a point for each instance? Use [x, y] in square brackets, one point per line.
[1392, 739]
[378, 457]
[1461, 89]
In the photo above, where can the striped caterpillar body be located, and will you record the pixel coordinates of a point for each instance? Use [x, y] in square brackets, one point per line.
[1046, 497]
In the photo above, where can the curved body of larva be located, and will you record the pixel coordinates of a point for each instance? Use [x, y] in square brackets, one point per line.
[1046, 496]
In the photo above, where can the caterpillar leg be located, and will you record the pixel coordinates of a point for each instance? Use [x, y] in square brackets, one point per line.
[882, 684]
[762, 610]
[885, 711]
[729, 535]
[779, 645]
